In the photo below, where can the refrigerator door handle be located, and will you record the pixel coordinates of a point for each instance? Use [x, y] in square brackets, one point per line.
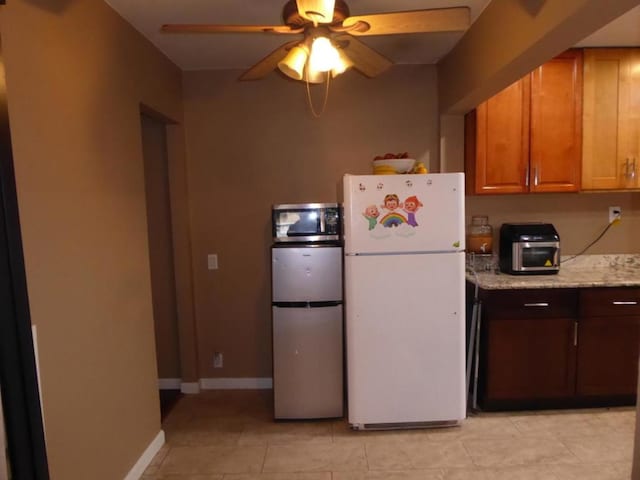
[332, 303]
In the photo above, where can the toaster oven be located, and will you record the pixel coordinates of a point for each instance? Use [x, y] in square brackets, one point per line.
[529, 249]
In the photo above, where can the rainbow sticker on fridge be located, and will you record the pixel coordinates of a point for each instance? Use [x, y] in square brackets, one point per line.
[393, 215]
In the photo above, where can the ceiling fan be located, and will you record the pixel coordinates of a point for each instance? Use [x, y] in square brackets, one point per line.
[330, 20]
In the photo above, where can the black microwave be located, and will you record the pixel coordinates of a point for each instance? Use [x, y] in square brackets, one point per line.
[306, 222]
[529, 249]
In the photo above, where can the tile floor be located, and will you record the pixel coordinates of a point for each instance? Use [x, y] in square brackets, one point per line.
[230, 435]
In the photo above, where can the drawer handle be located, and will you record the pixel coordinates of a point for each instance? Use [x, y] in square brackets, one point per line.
[540, 304]
[615, 302]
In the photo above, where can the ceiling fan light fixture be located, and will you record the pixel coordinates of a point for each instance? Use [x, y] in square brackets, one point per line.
[317, 11]
[324, 56]
[344, 63]
[293, 64]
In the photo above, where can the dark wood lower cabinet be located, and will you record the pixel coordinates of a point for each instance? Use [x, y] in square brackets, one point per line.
[530, 359]
[608, 350]
[554, 348]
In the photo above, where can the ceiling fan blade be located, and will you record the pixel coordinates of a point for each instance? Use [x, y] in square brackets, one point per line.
[203, 28]
[365, 59]
[415, 21]
[269, 63]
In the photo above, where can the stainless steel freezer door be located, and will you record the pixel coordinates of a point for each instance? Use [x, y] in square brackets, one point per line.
[405, 338]
[306, 274]
[307, 362]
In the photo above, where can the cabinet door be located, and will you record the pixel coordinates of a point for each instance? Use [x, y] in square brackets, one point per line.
[502, 141]
[556, 124]
[608, 341]
[529, 344]
[530, 359]
[611, 119]
[608, 356]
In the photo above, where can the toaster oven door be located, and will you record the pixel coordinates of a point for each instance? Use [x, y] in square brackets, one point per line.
[536, 256]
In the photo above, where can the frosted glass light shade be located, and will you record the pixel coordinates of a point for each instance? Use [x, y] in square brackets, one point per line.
[293, 64]
[324, 55]
[343, 64]
[318, 11]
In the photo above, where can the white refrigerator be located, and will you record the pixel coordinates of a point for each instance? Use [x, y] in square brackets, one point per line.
[404, 300]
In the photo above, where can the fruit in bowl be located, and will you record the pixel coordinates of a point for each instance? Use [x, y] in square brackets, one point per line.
[392, 163]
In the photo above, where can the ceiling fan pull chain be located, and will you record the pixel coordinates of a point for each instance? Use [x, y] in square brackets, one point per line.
[326, 95]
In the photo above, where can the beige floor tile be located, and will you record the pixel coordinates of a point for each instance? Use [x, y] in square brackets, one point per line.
[274, 433]
[518, 451]
[280, 476]
[526, 472]
[601, 448]
[430, 474]
[562, 424]
[620, 420]
[206, 432]
[477, 427]
[182, 477]
[611, 471]
[317, 457]
[416, 454]
[201, 460]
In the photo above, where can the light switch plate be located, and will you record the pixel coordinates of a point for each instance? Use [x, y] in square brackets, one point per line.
[212, 261]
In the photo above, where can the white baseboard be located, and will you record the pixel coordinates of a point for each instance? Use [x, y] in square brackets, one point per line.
[190, 387]
[169, 383]
[145, 459]
[261, 383]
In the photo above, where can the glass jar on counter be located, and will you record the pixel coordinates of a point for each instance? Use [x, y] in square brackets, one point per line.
[480, 235]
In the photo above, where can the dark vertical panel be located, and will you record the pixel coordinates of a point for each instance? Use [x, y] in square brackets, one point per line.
[18, 378]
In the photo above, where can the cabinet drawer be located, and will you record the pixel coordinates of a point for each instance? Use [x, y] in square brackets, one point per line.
[537, 303]
[599, 302]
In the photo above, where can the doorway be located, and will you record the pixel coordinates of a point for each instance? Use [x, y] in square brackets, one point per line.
[161, 259]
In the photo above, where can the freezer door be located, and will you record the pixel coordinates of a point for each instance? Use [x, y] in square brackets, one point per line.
[405, 338]
[308, 362]
[306, 274]
[403, 213]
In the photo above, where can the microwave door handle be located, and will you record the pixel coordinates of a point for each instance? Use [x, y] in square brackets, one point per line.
[323, 213]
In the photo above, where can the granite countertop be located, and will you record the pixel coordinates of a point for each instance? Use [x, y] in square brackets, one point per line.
[622, 270]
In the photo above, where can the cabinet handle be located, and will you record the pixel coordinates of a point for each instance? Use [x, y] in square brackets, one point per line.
[618, 302]
[626, 168]
[540, 304]
[526, 177]
[575, 334]
[535, 176]
[632, 175]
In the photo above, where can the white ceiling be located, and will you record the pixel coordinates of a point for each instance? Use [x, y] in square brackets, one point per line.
[242, 50]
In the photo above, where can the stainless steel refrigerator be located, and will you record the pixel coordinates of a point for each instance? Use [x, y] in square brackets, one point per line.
[307, 331]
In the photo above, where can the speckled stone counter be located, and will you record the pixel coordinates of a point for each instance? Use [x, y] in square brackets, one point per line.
[583, 271]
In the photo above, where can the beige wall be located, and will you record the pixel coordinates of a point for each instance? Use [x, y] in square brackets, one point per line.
[76, 74]
[579, 218]
[253, 144]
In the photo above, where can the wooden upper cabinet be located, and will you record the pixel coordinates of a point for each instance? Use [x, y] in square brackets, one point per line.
[501, 137]
[611, 120]
[556, 124]
[527, 138]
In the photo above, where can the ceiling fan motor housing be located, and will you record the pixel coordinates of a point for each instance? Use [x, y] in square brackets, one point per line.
[292, 17]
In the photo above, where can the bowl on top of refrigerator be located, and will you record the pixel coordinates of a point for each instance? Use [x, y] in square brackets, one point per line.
[387, 166]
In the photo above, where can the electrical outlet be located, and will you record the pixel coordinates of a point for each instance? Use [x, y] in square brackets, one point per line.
[212, 261]
[615, 213]
[217, 360]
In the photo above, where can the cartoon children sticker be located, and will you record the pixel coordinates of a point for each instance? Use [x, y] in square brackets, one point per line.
[392, 218]
[371, 213]
[411, 206]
